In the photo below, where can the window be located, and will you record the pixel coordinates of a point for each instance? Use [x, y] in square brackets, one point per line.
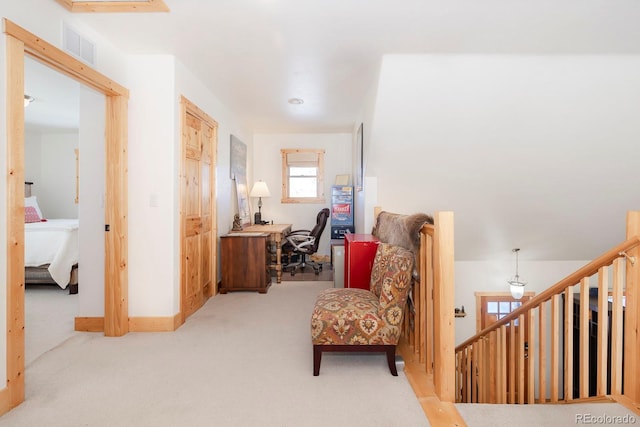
[302, 176]
[493, 306]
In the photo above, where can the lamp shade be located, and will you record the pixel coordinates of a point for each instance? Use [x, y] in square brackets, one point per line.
[260, 189]
[517, 289]
[516, 285]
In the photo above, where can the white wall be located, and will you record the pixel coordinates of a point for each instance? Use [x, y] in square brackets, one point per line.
[56, 189]
[458, 132]
[91, 207]
[367, 199]
[154, 188]
[267, 166]
[492, 276]
[153, 167]
[33, 158]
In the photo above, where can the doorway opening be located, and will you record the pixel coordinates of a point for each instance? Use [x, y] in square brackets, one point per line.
[493, 306]
[20, 42]
[63, 119]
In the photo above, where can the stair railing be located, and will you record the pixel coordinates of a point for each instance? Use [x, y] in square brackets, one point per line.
[554, 364]
[429, 320]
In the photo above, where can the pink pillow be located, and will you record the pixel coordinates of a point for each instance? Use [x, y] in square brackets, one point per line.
[30, 214]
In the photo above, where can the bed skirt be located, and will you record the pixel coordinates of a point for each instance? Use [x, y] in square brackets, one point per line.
[40, 275]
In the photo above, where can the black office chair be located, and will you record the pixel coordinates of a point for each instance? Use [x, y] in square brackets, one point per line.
[305, 242]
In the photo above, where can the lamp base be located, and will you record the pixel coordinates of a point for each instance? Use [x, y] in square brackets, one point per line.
[257, 218]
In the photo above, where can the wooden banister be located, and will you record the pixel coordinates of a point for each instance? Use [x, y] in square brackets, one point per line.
[583, 335]
[588, 270]
[491, 366]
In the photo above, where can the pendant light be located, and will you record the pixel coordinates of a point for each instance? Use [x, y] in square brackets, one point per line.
[516, 285]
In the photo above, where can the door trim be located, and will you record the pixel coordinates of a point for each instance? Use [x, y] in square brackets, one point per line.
[21, 42]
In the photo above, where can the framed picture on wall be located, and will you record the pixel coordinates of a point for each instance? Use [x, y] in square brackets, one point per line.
[359, 157]
[238, 173]
[238, 157]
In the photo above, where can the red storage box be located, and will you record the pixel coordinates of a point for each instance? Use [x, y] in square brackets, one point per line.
[359, 252]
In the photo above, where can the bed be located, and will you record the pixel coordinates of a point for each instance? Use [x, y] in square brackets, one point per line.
[51, 247]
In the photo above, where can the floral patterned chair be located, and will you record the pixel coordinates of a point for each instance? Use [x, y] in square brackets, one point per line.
[360, 320]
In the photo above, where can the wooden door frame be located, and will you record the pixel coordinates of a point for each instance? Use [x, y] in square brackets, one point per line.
[20, 42]
[188, 107]
[511, 373]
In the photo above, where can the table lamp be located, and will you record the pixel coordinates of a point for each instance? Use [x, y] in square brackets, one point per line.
[259, 190]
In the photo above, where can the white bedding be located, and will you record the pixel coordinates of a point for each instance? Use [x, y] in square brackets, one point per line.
[54, 242]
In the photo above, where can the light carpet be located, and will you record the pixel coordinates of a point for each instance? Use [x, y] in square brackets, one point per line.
[49, 319]
[573, 414]
[244, 359]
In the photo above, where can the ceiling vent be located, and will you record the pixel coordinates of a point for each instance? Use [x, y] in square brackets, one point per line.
[78, 45]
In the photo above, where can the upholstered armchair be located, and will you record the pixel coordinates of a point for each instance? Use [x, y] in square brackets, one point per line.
[365, 320]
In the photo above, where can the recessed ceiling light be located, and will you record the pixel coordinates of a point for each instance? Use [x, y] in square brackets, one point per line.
[296, 101]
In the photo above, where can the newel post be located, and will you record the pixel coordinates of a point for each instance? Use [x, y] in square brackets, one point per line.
[443, 307]
[632, 314]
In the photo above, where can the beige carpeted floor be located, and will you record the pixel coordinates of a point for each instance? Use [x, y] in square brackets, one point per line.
[559, 415]
[244, 359]
[49, 319]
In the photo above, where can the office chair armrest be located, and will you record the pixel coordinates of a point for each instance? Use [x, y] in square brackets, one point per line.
[299, 232]
[300, 241]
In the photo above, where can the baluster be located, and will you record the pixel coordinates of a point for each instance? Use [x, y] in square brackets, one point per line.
[481, 372]
[616, 327]
[429, 306]
[542, 353]
[469, 374]
[503, 364]
[584, 338]
[491, 360]
[531, 386]
[555, 347]
[512, 363]
[632, 327]
[474, 373]
[521, 367]
[568, 344]
[603, 322]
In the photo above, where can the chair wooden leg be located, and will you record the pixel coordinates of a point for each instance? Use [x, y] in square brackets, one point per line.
[389, 350]
[317, 358]
[391, 359]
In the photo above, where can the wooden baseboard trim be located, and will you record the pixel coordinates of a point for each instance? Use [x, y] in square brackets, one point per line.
[154, 324]
[178, 321]
[626, 402]
[438, 413]
[89, 324]
[5, 401]
[136, 324]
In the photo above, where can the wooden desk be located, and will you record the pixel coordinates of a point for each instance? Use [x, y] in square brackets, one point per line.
[245, 262]
[276, 234]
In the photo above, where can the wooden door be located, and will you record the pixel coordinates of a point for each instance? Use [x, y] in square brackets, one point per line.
[197, 214]
[494, 307]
